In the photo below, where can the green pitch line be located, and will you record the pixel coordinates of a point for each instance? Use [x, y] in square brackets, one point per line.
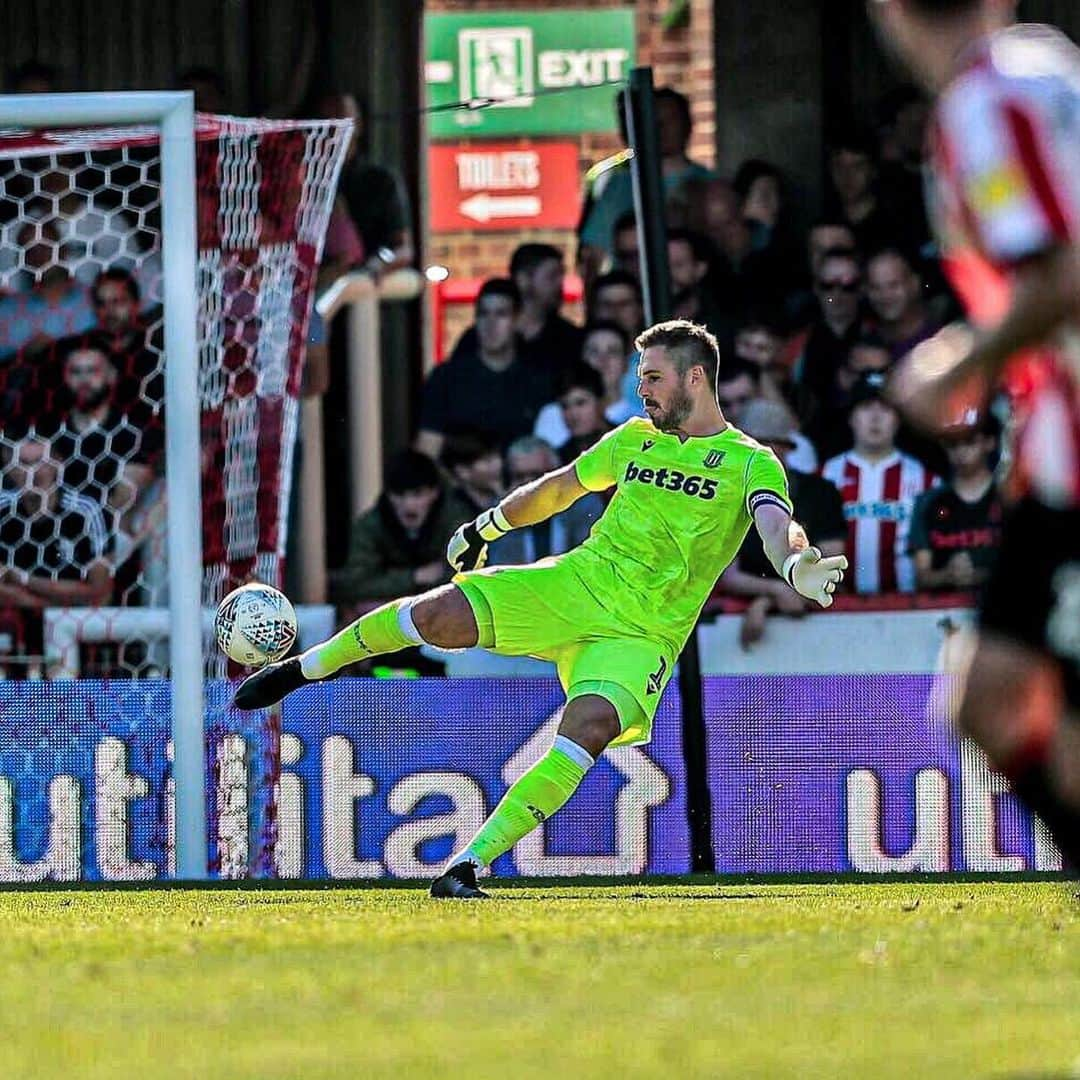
[680, 980]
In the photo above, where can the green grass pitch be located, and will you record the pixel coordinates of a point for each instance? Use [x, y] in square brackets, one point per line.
[552, 981]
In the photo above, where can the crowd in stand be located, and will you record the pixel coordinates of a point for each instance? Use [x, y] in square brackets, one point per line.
[809, 323]
[809, 318]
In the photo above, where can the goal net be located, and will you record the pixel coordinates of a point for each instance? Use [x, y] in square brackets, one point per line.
[83, 552]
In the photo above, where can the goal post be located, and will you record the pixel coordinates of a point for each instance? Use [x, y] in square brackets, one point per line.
[173, 112]
[157, 270]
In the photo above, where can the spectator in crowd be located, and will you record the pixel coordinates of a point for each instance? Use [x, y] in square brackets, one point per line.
[817, 507]
[487, 387]
[674, 126]
[879, 486]
[689, 259]
[133, 344]
[853, 173]
[606, 349]
[626, 255]
[475, 466]
[956, 528]
[47, 302]
[590, 257]
[399, 546]
[208, 86]
[895, 295]
[527, 459]
[33, 77]
[103, 455]
[760, 187]
[53, 542]
[739, 385]
[616, 297]
[538, 271]
[736, 386]
[827, 235]
[759, 341]
[581, 396]
[902, 119]
[838, 288]
[375, 196]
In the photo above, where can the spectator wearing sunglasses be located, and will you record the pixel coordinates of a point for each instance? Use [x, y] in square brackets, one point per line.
[836, 327]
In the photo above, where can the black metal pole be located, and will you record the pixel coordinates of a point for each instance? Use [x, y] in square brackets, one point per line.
[656, 290]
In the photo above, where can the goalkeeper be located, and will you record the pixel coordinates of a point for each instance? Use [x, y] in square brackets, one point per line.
[612, 614]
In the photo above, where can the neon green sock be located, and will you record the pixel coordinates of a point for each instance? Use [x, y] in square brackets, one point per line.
[530, 801]
[377, 632]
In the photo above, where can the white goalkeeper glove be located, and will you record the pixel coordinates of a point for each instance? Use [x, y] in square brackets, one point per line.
[468, 547]
[814, 576]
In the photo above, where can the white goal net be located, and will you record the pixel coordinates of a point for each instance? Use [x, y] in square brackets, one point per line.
[83, 553]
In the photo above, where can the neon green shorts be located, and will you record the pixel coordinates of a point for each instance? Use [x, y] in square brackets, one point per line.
[544, 610]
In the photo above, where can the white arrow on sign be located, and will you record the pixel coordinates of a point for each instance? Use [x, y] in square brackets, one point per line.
[484, 207]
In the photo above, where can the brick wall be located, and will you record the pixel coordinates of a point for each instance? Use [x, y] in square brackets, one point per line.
[682, 58]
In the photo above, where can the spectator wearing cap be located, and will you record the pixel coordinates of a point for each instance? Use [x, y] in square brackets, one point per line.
[894, 292]
[878, 485]
[399, 546]
[527, 459]
[581, 398]
[817, 506]
[487, 387]
[606, 349]
[476, 467]
[956, 528]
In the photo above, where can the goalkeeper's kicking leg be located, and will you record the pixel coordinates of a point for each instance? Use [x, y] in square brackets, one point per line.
[588, 724]
[441, 617]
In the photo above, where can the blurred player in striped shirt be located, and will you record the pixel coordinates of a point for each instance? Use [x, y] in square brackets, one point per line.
[1005, 158]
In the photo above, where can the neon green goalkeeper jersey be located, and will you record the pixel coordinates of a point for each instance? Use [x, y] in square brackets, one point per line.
[678, 517]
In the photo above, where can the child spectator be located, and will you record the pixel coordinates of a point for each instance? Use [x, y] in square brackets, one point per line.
[956, 528]
[879, 486]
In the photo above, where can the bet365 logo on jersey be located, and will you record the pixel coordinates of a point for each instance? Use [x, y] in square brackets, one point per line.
[671, 480]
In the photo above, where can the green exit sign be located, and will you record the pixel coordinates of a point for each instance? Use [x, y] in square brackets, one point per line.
[545, 70]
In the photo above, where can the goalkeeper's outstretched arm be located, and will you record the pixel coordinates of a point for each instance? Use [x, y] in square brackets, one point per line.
[529, 504]
[800, 564]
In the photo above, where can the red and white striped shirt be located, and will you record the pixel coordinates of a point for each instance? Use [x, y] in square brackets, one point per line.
[1005, 156]
[878, 500]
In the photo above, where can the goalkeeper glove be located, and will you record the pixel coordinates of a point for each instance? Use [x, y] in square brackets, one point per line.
[468, 546]
[813, 576]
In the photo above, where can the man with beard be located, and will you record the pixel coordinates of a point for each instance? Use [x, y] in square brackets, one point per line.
[613, 613]
[103, 455]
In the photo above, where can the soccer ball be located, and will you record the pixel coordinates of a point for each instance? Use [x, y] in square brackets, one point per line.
[255, 625]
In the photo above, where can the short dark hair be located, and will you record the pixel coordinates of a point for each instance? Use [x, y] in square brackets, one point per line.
[32, 71]
[942, 7]
[688, 345]
[409, 470]
[121, 277]
[527, 257]
[737, 369]
[616, 277]
[699, 245]
[681, 103]
[596, 325]
[893, 253]
[467, 448]
[752, 170]
[626, 220]
[853, 140]
[67, 347]
[499, 286]
[581, 376]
